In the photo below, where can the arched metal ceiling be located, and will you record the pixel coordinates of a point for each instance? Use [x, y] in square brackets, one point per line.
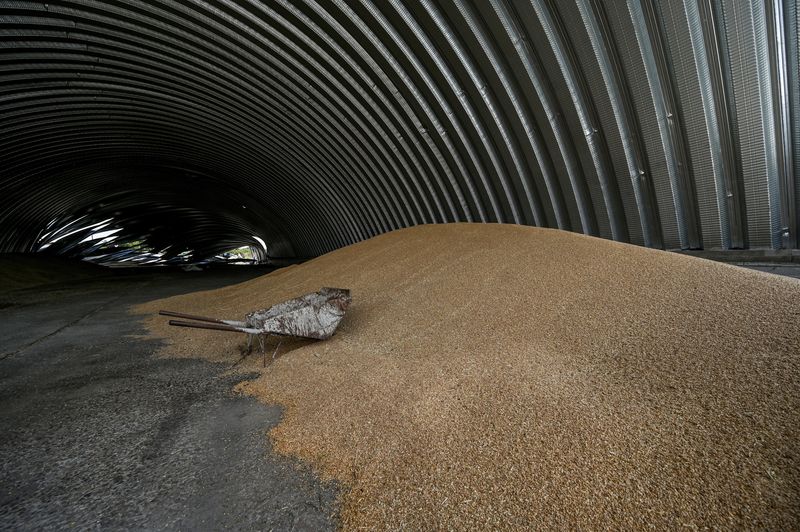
[314, 124]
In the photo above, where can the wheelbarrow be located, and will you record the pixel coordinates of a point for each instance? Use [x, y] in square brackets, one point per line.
[315, 316]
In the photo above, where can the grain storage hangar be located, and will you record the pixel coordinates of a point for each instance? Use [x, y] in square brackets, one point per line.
[521, 196]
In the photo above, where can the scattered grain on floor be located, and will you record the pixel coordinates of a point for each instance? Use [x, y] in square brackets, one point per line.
[512, 377]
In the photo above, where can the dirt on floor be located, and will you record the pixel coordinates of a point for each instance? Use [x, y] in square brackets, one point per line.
[498, 376]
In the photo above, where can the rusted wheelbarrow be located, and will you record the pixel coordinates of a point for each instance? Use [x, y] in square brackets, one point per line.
[315, 315]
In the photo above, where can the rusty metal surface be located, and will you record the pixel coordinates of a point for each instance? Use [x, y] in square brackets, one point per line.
[316, 315]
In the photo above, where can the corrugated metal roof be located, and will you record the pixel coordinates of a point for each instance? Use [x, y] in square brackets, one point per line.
[199, 125]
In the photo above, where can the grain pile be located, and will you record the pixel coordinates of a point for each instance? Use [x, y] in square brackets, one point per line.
[26, 270]
[512, 377]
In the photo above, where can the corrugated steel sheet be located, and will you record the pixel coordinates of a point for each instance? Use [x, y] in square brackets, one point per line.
[200, 125]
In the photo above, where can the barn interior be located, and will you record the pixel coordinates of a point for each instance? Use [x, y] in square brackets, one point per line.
[569, 228]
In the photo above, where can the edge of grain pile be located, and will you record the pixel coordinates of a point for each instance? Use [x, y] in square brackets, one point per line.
[514, 377]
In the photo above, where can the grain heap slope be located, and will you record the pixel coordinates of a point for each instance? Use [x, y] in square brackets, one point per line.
[26, 270]
[507, 376]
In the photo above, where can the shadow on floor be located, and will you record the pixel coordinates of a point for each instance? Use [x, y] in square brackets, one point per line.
[97, 433]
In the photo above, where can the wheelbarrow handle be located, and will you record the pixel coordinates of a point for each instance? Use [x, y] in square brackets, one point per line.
[215, 327]
[190, 317]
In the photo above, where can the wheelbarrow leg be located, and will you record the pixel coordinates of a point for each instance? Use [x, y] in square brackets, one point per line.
[276, 349]
[262, 340]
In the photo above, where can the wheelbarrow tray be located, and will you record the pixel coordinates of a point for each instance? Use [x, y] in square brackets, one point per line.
[315, 315]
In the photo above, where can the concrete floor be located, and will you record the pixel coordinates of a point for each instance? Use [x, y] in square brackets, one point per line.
[97, 433]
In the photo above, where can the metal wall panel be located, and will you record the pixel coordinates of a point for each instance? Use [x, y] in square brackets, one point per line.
[792, 17]
[314, 125]
[688, 89]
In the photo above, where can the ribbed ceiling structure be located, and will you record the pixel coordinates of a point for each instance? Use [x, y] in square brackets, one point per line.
[198, 125]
